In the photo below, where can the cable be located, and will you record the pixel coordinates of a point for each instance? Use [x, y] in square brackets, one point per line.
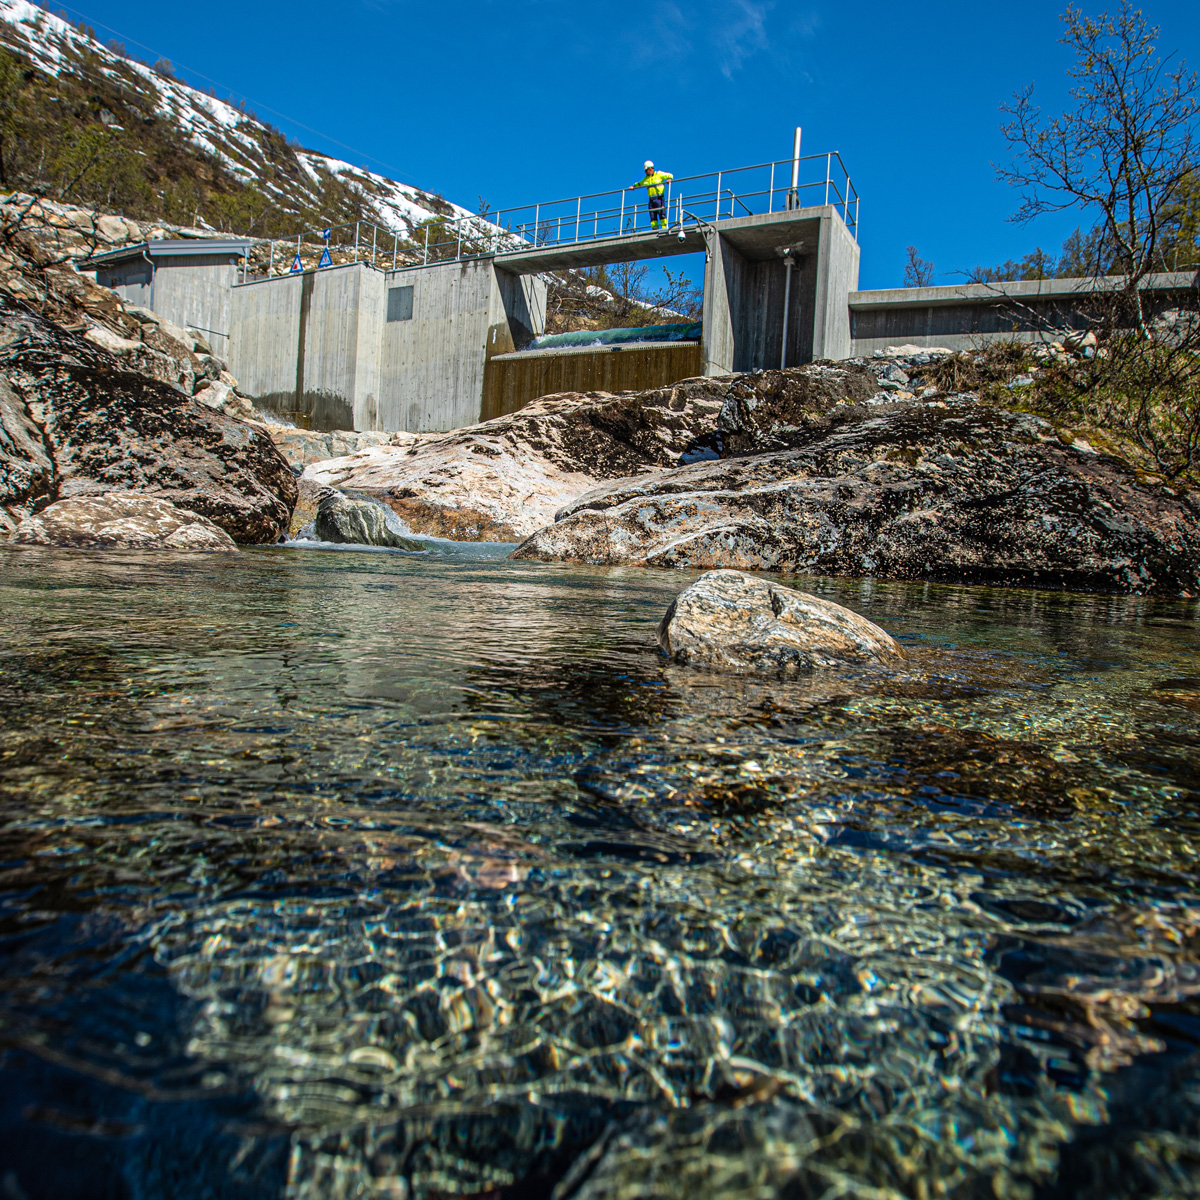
[397, 174]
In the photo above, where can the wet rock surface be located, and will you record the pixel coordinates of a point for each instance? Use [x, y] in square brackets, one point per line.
[731, 621]
[74, 422]
[503, 479]
[356, 522]
[122, 520]
[948, 490]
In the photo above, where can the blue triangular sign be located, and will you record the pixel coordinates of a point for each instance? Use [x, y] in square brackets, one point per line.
[296, 264]
[326, 261]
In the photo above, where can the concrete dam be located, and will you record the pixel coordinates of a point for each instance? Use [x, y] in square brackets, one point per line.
[450, 340]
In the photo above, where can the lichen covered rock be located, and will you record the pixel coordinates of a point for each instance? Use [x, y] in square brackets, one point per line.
[122, 520]
[953, 491]
[731, 621]
[75, 422]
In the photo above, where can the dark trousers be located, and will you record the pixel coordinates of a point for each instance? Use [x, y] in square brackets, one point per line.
[658, 210]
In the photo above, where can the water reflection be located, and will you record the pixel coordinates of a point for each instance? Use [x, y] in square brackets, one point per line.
[333, 875]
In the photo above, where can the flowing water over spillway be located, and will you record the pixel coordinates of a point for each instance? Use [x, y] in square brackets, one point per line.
[344, 874]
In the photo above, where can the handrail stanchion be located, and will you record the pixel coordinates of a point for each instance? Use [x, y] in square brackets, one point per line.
[856, 216]
[771, 192]
[621, 218]
[578, 202]
[356, 224]
[828, 169]
[425, 263]
[374, 242]
[395, 248]
[846, 201]
[537, 220]
[718, 216]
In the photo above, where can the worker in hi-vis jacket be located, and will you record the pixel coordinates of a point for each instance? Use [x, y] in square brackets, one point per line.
[655, 183]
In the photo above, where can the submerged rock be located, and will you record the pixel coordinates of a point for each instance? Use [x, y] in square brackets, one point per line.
[953, 491]
[731, 621]
[75, 422]
[122, 520]
[356, 522]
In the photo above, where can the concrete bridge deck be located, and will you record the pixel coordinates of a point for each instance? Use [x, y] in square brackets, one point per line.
[757, 238]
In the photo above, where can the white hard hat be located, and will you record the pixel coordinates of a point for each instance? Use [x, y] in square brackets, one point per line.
[648, 165]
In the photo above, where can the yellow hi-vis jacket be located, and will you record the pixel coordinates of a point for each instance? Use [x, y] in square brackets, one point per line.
[654, 184]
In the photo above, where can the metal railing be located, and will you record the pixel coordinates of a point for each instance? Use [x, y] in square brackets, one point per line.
[691, 202]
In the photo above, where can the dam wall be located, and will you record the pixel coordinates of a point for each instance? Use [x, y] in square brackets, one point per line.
[443, 345]
[512, 380]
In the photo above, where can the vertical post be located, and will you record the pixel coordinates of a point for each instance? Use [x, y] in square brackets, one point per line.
[374, 242]
[846, 201]
[271, 264]
[771, 192]
[458, 231]
[425, 263]
[578, 202]
[856, 218]
[356, 241]
[621, 219]
[793, 200]
[395, 248]
[828, 168]
[718, 216]
[537, 218]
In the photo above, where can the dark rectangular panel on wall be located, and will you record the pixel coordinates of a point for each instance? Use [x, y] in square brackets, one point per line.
[400, 303]
[510, 381]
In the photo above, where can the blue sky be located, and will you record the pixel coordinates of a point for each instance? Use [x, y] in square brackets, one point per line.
[526, 100]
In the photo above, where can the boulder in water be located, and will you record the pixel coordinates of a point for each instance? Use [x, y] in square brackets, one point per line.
[122, 520]
[356, 522]
[732, 621]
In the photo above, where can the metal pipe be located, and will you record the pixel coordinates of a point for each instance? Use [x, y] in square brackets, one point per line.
[151, 262]
[395, 248]
[787, 302]
[425, 263]
[537, 216]
[846, 201]
[718, 216]
[374, 242]
[621, 219]
[771, 192]
[578, 202]
[356, 224]
[828, 169]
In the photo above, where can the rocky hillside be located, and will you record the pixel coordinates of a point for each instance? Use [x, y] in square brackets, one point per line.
[86, 123]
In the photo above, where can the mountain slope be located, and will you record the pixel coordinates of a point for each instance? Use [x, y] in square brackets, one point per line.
[81, 121]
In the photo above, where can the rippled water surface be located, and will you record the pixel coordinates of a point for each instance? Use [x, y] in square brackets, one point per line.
[345, 874]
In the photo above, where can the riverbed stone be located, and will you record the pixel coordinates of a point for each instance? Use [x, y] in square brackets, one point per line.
[122, 520]
[502, 479]
[356, 522]
[736, 622]
[947, 491]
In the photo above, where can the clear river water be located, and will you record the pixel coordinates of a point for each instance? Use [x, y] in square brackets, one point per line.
[347, 874]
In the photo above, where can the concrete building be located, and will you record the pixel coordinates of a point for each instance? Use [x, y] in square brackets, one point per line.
[187, 281]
